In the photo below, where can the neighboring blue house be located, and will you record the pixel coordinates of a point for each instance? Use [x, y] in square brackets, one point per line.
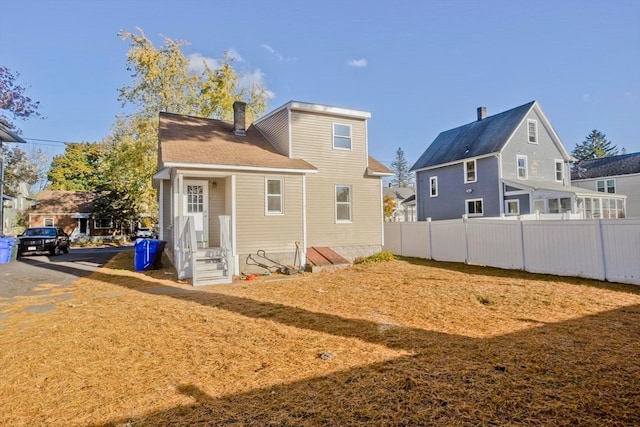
[512, 163]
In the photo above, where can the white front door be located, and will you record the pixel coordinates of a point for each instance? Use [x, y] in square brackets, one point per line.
[196, 201]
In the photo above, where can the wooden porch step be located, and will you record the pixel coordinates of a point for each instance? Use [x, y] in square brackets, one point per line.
[324, 258]
[211, 267]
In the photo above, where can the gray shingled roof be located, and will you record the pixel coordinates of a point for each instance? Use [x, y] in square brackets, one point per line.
[474, 139]
[623, 164]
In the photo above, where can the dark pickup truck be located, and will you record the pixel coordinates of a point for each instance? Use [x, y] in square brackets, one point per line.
[43, 239]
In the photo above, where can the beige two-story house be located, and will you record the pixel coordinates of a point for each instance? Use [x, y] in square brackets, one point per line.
[298, 178]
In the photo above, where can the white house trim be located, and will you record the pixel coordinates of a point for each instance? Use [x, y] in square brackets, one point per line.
[238, 168]
[441, 165]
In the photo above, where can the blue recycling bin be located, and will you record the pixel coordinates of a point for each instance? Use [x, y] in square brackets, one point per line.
[145, 254]
[6, 247]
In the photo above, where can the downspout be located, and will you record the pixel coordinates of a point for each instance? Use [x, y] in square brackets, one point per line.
[234, 220]
[303, 254]
[500, 185]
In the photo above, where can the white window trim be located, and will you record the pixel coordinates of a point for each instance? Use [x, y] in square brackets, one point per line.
[333, 136]
[466, 207]
[506, 207]
[95, 225]
[475, 171]
[266, 196]
[526, 166]
[44, 222]
[343, 221]
[433, 179]
[535, 123]
[615, 185]
[555, 171]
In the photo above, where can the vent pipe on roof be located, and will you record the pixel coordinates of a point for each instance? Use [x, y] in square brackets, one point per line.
[239, 125]
[482, 113]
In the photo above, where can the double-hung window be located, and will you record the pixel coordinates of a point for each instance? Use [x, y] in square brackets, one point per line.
[341, 136]
[559, 170]
[433, 186]
[512, 207]
[606, 185]
[48, 222]
[474, 207]
[343, 203]
[532, 131]
[470, 171]
[102, 223]
[274, 199]
[522, 167]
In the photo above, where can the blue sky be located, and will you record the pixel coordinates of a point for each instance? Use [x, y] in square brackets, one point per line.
[419, 67]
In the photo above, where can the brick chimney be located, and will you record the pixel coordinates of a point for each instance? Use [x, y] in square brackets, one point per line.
[482, 113]
[239, 125]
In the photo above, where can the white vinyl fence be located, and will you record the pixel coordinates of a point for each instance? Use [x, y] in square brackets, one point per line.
[604, 249]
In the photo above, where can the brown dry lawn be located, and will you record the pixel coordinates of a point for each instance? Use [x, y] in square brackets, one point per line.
[402, 343]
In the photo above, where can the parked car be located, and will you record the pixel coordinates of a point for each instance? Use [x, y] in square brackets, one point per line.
[145, 233]
[43, 239]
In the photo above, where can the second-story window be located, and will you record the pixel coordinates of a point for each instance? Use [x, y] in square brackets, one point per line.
[559, 170]
[522, 167]
[606, 185]
[341, 136]
[532, 129]
[470, 171]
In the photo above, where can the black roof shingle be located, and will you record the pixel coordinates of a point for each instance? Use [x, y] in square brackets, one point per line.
[481, 137]
[623, 164]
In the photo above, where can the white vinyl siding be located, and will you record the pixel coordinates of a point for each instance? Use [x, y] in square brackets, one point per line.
[312, 140]
[273, 233]
[341, 136]
[474, 207]
[276, 130]
[274, 196]
[523, 170]
[433, 186]
[532, 131]
[470, 171]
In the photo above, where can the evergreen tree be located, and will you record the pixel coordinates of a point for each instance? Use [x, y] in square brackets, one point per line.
[594, 146]
[400, 167]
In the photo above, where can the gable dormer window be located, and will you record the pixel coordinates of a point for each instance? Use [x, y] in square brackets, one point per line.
[532, 129]
[470, 171]
[341, 136]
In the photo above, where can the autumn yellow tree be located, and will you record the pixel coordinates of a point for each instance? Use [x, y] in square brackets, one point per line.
[162, 80]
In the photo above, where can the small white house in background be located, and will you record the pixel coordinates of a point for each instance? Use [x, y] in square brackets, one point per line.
[512, 163]
[404, 200]
[298, 180]
[13, 206]
[618, 175]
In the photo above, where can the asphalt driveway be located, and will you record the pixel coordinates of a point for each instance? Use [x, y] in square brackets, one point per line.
[24, 276]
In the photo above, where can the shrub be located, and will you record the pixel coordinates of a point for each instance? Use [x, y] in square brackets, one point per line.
[383, 256]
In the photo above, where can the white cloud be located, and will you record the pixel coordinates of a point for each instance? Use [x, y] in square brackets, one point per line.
[280, 57]
[197, 63]
[235, 55]
[358, 63]
[254, 77]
